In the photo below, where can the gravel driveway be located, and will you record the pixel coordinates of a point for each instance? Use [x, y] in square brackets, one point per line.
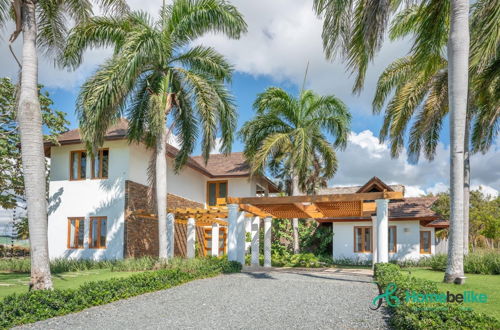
[277, 299]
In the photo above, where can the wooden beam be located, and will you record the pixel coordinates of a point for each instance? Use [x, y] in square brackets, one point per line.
[311, 210]
[254, 210]
[316, 198]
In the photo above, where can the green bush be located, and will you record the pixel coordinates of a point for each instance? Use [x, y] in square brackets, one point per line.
[485, 263]
[34, 306]
[352, 262]
[410, 315]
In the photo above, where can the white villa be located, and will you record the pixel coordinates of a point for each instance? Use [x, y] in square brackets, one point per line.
[92, 203]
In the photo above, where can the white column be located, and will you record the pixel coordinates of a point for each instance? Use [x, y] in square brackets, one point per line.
[215, 239]
[267, 241]
[382, 230]
[170, 235]
[255, 240]
[232, 217]
[191, 238]
[375, 235]
[240, 238]
[248, 229]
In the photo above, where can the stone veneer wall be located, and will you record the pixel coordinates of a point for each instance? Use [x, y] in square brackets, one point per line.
[141, 234]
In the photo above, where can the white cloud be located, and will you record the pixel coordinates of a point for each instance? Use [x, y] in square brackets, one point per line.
[281, 39]
[285, 36]
[365, 157]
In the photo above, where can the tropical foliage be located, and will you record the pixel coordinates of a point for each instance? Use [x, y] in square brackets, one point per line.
[289, 136]
[155, 76]
[44, 25]
[11, 170]
[415, 88]
[484, 218]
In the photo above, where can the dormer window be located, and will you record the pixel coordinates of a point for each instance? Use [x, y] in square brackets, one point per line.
[78, 165]
[100, 164]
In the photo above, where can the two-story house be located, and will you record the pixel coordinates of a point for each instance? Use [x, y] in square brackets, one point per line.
[90, 199]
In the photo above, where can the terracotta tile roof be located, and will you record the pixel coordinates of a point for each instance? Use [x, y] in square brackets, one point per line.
[413, 207]
[233, 164]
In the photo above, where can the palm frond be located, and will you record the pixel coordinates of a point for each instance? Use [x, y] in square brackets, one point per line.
[205, 60]
[52, 28]
[189, 19]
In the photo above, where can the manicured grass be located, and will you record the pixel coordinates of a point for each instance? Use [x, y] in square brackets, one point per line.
[488, 284]
[18, 282]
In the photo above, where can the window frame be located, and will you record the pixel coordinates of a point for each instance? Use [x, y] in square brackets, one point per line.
[81, 220]
[363, 239]
[422, 250]
[92, 167]
[71, 155]
[99, 224]
[395, 246]
[217, 189]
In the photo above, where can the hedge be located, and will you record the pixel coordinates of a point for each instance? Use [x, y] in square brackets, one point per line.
[410, 315]
[39, 305]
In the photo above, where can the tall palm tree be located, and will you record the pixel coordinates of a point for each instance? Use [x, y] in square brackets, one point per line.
[156, 76]
[418, 87]
[44, 25]
[291, 133]
[355, 29]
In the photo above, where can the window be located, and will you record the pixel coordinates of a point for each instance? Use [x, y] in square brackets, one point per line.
[97, 232]
[75, 233]
[100, 164]
[425, 242]
[216, 193]
[392, 239]
[78, 165]
[362, 239]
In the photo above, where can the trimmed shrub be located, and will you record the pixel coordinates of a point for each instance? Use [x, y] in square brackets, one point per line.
[410, 315]
[39, 305]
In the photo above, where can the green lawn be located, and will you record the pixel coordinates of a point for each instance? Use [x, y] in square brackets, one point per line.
[488, 284]
[18, 283]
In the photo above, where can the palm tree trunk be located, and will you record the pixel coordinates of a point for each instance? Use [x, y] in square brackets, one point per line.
[466, 186]
[295, 221]
[458, 54]
[30, 129]
[161, 193]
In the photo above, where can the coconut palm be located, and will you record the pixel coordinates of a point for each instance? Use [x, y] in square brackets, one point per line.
[419, 83]
[44, 25]
[156, 76]
[355, 29]
[291, 133]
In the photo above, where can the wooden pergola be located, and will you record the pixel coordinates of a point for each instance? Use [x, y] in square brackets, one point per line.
[233, 215]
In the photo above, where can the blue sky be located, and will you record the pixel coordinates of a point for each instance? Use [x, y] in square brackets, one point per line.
[280, 41]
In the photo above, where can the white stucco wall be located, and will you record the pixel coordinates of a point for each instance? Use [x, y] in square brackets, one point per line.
[105, 197]
[86, 198]
[408, 240]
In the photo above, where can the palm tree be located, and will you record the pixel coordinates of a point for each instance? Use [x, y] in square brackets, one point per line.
[291, 134]
[44, 25]
[355, 29]
[154, 73]
[418, 83]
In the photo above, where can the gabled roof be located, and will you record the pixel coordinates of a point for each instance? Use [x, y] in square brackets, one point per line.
[374, 184]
